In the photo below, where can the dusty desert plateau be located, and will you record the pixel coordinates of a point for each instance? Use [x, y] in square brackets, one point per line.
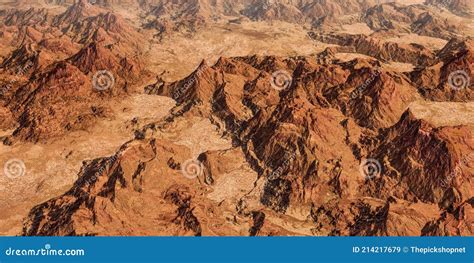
[236, 118]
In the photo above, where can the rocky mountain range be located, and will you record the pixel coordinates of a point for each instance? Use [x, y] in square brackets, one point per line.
[225, 118]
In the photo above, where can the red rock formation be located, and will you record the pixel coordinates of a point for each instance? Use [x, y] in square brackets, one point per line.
[289, 137]
[58, 89]
[383, 50]
[450, 77]
[85, 23]
[100, 195]
[81, 9]
[23, 61]
[95, 57]
[8, 121]
[462, 7]
[268, 10]
[418, 19]
[29, 17]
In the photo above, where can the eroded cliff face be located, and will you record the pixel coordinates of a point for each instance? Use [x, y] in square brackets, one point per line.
[305, 142]
[462, 7]
[60, 72]
[453, 68]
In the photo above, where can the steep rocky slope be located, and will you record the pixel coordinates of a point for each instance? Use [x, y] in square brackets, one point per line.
[463, 7]
[419, 19]
[286, 131]
[449, 78]
[378, 48]
[76, 92]
[60, 72]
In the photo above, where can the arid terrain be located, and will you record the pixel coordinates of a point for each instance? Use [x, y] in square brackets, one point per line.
[236, 118]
